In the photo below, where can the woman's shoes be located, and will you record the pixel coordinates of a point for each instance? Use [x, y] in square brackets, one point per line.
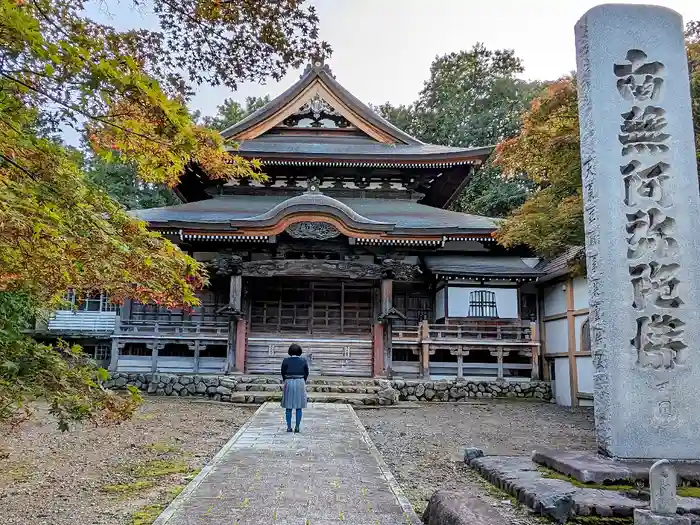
[296, 430]
[289, 429]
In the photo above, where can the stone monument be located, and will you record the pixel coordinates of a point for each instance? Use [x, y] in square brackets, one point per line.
[663, 503]
[642, 220]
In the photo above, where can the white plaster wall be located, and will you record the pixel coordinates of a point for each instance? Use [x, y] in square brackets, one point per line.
[584, 369]
[556, 336]
[506, 301]
[554, 299]
[562, 386]
[580, 293]
[440, 304]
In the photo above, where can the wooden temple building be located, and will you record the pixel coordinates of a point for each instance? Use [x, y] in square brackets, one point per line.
[348, 248]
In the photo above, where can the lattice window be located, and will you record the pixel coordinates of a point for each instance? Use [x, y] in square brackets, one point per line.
[417, 305]
[585, 337]
[311, 307]
[482, 303]
[103, 352]
[92, 302]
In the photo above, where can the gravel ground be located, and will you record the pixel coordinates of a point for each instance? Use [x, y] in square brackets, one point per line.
[424, 446]
[110, 476]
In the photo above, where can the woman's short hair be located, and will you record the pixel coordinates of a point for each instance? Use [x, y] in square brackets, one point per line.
[294, 349]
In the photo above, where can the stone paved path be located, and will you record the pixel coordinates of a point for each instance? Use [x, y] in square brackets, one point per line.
[331, 473]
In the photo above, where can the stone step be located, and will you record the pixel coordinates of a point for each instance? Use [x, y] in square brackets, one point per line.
[310, 387]
[258, 398]
[314, 380]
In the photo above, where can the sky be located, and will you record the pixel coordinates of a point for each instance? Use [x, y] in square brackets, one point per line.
[382, 49]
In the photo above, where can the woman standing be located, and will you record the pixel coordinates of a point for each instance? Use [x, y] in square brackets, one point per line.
[295, 372]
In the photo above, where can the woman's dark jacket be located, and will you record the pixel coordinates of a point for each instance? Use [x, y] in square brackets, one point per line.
[295, 366]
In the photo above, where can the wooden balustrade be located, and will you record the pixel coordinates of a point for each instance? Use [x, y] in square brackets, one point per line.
[499, 338]
[144, 319]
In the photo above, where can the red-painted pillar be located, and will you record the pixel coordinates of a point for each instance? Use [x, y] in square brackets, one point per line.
[241, 345]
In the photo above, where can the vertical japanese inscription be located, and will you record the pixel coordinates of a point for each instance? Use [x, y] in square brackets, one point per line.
[652, 249]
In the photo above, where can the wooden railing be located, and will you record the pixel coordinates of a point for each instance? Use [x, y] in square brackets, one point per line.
[499, 338]
[202, 320]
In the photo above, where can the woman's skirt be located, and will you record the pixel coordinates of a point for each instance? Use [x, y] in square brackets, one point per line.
[294, 394]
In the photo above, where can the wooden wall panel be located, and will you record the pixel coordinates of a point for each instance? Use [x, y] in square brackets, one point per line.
[327, 357]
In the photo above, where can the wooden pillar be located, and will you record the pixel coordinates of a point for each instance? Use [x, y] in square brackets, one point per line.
[424, 338]
[498, 353]
[378, 350]
[535, 336]
[114, 356]
[196, 356]
[234, 307]
[154, 357]
[460, 364]
[387, 302]
[571, 327]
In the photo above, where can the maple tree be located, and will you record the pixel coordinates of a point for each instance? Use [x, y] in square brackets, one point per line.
[547, 152]
[126, 92]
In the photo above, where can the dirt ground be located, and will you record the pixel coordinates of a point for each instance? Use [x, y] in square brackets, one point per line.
[424, 446]
[109, 476]
[127, 475]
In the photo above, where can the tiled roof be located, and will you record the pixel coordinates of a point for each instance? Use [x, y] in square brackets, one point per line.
[474, 265]
[353, 150]
[403, 214]
[560, 265]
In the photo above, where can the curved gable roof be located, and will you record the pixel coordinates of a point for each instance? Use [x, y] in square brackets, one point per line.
[351, 107]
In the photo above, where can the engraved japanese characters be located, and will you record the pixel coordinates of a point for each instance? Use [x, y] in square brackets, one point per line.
[652, 250]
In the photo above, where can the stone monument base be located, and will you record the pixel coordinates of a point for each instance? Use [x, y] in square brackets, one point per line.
[647, 517]
[589, 467]
[557, 497]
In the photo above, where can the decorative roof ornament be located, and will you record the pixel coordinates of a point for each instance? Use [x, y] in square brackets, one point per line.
[320, 231]
[317, 64]
[316, 113]
[313, 185]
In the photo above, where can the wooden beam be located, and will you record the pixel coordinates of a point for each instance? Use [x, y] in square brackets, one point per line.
[571, 329]
[154, 356]
[241, 344]
[534, 334]
[234, 301]
[114, 356]
[387, 301]
[378, 350]
[196, 356]
[424, 337]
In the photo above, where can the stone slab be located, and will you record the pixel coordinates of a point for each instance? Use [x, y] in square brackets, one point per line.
[641, 214]
[646, 517]
[447, 507]
[330, 473]
[589, 467]
[520, 477]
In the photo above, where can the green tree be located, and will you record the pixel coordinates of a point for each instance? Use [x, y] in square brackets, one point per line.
[231, 112]
[121, 182]
[472, 98]
[402, 116]
[126, 91]
[547, 152]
